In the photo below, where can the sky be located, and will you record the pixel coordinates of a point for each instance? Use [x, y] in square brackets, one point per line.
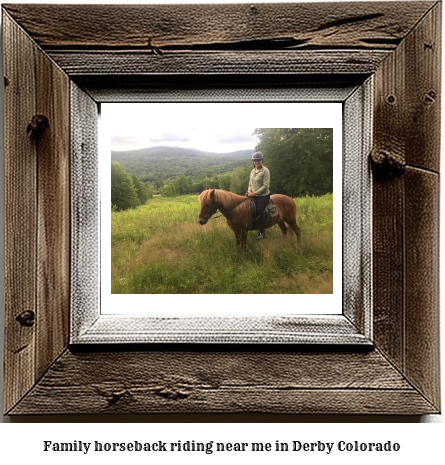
[133, 127]
[212, 127]
[205, 139]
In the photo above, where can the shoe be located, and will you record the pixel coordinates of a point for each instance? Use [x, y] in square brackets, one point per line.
[261, 236]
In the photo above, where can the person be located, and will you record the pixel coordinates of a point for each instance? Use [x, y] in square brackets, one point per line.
[259, 189]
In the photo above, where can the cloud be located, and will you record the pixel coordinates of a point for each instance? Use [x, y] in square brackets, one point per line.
[123, 140]
[147, 138]
[237, 138]
[213, 139]
[167, 137]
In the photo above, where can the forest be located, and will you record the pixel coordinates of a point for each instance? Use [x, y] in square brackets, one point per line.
[300, 161]
[169, 163]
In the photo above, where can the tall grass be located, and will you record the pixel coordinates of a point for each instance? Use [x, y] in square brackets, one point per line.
[160, 248]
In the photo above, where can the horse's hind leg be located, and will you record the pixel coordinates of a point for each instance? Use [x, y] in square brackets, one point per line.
[295, 228]
[283, 228]
[243, 238]
[237, 235]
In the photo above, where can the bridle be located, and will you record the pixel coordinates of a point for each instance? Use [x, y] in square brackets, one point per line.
[214, 217]
[208, 217]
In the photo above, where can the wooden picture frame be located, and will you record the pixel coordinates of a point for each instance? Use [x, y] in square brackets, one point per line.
[58, 69]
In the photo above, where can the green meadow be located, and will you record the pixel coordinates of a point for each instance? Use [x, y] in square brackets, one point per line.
[159, 248]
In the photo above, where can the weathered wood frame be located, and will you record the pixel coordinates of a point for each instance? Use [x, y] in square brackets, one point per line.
[93, 53]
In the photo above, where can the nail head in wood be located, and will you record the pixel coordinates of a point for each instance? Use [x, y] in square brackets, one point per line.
[430, 97]
[37, 126]
[26, 318]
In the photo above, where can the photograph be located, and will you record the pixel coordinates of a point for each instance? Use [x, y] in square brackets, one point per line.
[157, 245]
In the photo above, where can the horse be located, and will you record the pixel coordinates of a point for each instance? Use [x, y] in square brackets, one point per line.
[236, 209]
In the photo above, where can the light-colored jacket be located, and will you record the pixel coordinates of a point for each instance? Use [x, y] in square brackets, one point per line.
[259, 182]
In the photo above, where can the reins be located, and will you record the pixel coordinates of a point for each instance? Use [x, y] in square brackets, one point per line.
[214, 217]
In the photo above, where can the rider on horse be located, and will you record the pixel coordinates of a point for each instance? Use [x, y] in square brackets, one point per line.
[259, 189]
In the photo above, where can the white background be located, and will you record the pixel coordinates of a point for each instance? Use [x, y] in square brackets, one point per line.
[21, 442]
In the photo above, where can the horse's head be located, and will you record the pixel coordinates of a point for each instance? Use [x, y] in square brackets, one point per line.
[208, 208]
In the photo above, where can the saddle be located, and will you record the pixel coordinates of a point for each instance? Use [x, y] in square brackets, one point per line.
[271, 211]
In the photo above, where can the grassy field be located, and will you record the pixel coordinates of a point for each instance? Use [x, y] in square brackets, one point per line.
[160, 248]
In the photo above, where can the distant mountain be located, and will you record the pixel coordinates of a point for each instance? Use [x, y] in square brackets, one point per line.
[170, 162]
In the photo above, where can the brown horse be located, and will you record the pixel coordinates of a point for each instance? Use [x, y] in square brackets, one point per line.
[236, 209]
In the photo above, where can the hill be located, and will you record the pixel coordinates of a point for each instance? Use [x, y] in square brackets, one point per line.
[171, 162]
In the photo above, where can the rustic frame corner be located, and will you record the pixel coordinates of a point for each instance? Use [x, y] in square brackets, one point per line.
[67, 60]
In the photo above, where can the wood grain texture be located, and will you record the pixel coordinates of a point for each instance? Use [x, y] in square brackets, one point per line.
[423, 91]
[37, 217]
[218, 87]
[407, 113]
[388, 268]
[357, 209]
[388, 200]
[421, 211]
[53, 236]
[78, 63]
[218, 382]
[159, 27]
[406, 208]
[20, 212]
[229, 39]
[109, 329]
[85, 210]
[422, 281]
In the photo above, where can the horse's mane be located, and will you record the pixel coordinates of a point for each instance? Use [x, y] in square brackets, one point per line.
[222, 198]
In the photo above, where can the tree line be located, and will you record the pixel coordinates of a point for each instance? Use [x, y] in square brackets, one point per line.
[126, 191]
[169, 163]
[300, 161]
[130, 192]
